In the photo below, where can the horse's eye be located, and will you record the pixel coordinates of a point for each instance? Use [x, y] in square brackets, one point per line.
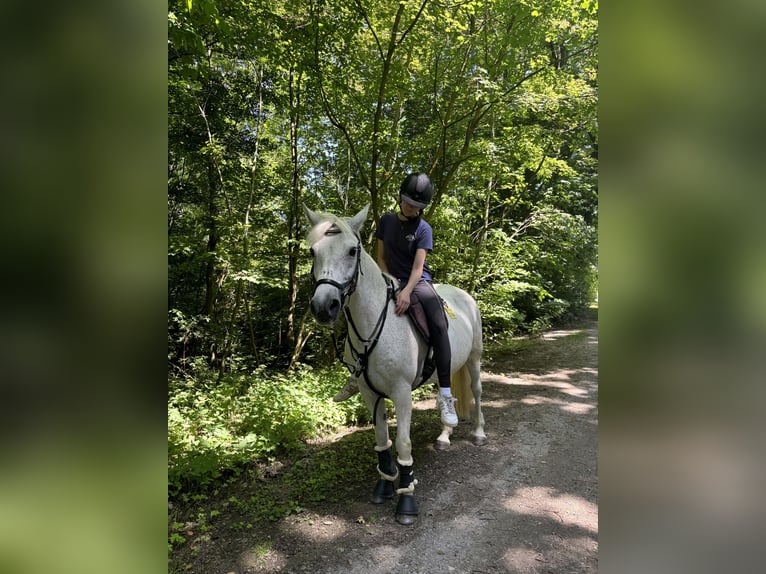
[352, 251]
[311, 252]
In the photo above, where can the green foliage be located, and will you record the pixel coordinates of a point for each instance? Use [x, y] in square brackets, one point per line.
[216, 427]
[505, 305]
[546, 275]
[331, 470]
[561, 248]
[175, 540]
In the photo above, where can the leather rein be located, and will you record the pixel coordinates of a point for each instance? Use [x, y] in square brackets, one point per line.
[361, 357]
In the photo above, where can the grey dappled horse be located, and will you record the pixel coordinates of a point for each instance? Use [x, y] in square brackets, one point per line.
[384, 351]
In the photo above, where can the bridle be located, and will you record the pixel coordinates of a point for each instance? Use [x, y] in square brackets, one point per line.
[361, 357]
[346, 289]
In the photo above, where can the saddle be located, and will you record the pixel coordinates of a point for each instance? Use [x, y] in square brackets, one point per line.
[417, 316]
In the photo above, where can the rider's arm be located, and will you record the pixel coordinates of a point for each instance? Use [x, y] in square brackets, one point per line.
[403, 300]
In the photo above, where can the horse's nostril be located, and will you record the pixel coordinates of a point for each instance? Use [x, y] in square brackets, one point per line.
[334, 306]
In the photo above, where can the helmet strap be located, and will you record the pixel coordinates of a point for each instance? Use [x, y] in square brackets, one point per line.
[408, 218]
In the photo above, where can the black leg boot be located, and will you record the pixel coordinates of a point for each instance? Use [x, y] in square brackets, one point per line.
[384, 488]
[407, 508]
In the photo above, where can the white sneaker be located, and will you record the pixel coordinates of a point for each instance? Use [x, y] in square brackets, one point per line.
[447, 408]
[349, 390]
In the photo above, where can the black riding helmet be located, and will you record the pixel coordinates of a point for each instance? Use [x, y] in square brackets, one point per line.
[417, 190]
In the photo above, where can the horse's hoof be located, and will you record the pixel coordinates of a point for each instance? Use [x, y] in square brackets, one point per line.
[479, 440]
[383, 492]
[442, 445]
[406, 510]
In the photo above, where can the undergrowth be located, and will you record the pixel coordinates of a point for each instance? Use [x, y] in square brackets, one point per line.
[329, 471]
[258, 447]
[216, 427]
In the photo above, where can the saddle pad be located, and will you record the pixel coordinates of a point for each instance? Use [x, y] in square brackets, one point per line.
[418, 317]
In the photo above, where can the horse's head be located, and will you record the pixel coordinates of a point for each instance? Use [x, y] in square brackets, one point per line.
[336, 250]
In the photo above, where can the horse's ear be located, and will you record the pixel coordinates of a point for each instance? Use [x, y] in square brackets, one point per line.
[310, 215]
[357, 221]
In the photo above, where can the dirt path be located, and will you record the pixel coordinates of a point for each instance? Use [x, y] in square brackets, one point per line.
[526, 502]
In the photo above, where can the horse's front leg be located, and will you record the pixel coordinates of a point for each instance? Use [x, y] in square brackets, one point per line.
[406, 508]
[384, 488]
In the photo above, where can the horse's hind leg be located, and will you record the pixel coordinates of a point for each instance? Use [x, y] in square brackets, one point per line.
[442, 441]
[474, 370]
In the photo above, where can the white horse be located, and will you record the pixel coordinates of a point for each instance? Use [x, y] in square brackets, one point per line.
[384, 352]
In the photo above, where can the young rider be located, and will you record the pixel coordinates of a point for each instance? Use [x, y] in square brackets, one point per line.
[404, 240]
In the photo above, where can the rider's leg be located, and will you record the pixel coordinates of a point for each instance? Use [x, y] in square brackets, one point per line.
[437, 325]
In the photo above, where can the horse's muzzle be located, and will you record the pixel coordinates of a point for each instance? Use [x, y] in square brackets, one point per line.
[326, 305]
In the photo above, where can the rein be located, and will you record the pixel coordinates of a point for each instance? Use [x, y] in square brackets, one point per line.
[361, 358]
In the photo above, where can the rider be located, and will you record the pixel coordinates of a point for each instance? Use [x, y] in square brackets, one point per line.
[404, 240]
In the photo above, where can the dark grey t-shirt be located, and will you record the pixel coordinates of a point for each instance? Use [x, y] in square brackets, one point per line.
[401, 240]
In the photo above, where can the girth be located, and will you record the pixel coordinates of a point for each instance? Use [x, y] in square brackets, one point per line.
[359, 368]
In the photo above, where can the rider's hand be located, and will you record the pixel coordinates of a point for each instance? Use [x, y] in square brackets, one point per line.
[402, 302]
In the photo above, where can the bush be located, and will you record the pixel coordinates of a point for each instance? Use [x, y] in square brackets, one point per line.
[504, 306]
[219, 426]
[562, 249]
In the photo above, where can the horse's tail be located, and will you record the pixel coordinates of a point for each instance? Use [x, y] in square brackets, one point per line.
[461, 390]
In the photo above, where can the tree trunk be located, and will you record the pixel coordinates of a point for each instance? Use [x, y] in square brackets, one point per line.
[375, 153]
[211, 283]
[293, 220]
[482, 238]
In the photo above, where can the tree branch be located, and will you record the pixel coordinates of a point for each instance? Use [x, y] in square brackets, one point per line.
[363, 12]
[412, 25]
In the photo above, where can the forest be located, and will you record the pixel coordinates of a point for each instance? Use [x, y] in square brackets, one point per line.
[329, 103]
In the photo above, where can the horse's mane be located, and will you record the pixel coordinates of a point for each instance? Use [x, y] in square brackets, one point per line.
[328, 220]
